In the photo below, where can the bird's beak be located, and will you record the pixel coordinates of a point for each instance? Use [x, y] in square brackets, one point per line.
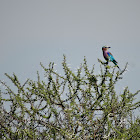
[109, 47]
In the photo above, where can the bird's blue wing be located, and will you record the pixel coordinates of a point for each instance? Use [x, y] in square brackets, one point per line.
[111, 58]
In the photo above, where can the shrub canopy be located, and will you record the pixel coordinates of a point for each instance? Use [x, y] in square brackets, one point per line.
[72, 106]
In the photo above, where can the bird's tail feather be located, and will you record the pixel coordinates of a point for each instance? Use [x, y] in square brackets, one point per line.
[118, 67]
[115, 62]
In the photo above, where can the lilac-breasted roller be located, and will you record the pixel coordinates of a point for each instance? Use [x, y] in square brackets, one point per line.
[108, 56]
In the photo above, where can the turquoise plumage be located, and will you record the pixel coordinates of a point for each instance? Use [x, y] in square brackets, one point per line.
[108, 56]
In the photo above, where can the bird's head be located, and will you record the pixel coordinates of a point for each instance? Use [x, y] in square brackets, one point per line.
[104, 48]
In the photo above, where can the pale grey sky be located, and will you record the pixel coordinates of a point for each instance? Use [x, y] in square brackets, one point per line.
[33, 31]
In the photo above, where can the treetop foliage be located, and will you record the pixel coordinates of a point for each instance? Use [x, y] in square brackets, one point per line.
[70, 106]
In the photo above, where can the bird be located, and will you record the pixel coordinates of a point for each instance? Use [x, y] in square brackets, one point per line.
[108, 56]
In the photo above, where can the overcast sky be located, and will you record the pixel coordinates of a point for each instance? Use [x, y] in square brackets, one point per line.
[34, 31]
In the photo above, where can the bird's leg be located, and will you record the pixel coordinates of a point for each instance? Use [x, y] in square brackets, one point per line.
[106, 62]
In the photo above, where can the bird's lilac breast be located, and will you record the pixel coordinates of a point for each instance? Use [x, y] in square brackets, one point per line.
[105, 55]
